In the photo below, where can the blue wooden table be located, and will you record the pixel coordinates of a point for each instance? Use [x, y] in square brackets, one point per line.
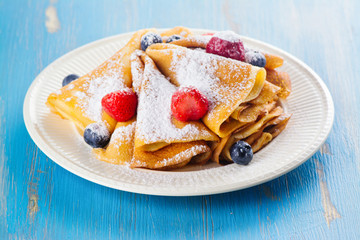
[318, 200]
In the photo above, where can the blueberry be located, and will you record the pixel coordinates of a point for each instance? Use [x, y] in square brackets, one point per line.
[241, 153]
[149, 39]
[69, 78]
[97, 135]
[173, 38]
[255, 58]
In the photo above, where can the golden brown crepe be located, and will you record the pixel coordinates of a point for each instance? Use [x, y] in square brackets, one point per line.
[120, 149]
[280, 79]
[160, 140]
[273, 61]
[243, 105]
[225, 82]
[256, 116]
[80, 101]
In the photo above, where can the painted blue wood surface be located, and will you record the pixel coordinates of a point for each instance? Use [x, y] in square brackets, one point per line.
[318, 200]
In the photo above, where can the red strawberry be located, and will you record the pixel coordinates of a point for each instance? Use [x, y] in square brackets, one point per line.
[226, 48]
[188, 104]
[120, 105]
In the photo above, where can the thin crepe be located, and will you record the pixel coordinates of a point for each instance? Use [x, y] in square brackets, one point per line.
[80, 101]
[226, 83]
[162, 142]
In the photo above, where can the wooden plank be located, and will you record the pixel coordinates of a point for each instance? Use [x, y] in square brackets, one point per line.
[40, 200]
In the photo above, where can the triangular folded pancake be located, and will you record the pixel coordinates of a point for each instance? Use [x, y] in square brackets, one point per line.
[200, 41]
[257, 134]
[160, 140]
[80, 101]
[225, 82]
[120, 149]
[268, 132]
[249, 111]
[121, 146]
[155, 125]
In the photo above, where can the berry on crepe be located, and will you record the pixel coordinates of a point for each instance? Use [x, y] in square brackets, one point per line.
[120, 105]
[188, 104]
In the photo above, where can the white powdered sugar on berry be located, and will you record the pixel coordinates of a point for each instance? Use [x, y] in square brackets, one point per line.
[252, 55]
[154, 118]
[228, 36]
[93, 90]
[100, 129]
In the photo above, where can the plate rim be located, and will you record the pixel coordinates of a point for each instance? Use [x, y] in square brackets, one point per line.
[90, 176]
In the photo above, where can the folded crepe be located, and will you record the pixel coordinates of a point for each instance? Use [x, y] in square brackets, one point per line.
[200, 41]
[273, 61]
[121, 146]
[225, 82]
[280, 79]
[80, 101]
[257, 134]
[249, 111]
[162, 142]
[269, 131]
[262, 120]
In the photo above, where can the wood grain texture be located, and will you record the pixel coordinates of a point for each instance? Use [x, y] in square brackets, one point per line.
[318, 200]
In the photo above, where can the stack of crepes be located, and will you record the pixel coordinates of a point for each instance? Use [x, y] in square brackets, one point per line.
[243, 102]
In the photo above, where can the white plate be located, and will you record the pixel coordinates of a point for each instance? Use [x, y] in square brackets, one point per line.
[310, 102]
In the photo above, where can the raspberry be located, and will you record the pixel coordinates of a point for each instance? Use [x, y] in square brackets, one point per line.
[120, 105]
[225, 48]
[188, 104]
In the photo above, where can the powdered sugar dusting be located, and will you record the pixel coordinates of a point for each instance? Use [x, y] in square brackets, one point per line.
[80, 95]
[100, 129]
[154, 120]
[228, 36]
[193, 151]
[201, 38]
[197, 69]
[183, 33]
[252, 55]
[136, 70]
[178, 158]
[70, 86]
[95, 89]
[124, 133]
